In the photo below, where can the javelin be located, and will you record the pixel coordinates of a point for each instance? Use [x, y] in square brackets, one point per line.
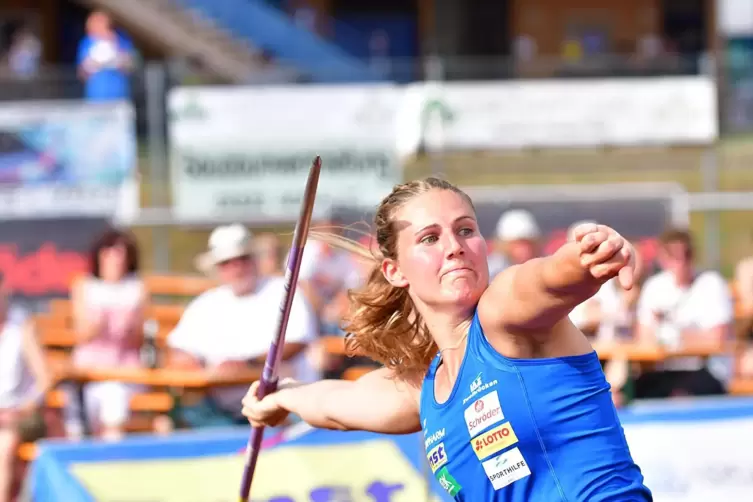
[268, 380]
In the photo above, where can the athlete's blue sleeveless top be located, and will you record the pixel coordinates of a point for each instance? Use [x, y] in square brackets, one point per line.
[528, 430]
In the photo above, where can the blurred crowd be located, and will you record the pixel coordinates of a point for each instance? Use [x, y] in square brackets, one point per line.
[231, 326]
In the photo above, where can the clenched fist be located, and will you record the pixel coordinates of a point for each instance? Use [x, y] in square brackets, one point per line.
[266, 412]
[605, 253]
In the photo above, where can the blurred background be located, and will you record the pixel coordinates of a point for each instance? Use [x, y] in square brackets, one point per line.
[142, 139]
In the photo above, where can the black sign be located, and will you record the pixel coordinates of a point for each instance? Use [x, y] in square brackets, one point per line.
[39, 258]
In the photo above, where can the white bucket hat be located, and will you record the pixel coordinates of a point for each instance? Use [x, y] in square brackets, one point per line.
[225, 243]
[517, 224]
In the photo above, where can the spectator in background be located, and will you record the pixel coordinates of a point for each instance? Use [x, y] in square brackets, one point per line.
[24, 381]
[744, 292]
[518, 240]
[231, 326]
[108, 312]
[682, 305]
[270, 255]
[326, 274]
[25, 54]
[105, 60]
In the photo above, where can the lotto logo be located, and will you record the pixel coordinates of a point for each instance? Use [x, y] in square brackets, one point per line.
[483, 413]
[437, 457]
[494, 440]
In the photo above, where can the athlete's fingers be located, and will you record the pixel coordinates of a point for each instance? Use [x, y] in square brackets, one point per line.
[580, 231]
[591, 241]
[604, 253]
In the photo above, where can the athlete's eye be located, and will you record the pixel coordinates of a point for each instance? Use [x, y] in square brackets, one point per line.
[429, 239]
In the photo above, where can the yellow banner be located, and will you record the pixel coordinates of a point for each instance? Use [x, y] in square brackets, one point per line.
[371, 471]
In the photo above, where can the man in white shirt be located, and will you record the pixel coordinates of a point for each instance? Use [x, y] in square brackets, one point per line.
[681, 305]
[232, 325]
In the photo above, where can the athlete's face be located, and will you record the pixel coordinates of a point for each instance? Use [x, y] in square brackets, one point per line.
[441, 255]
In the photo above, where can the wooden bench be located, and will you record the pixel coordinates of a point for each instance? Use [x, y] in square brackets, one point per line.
[61, 315]
[177, 285]
[356, 372]
[150, 402]
[67, 338]
[741, 387]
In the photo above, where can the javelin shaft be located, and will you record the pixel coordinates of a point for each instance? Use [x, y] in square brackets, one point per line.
[268, 381]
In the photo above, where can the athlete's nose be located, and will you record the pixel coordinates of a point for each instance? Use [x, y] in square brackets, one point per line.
[453, 247]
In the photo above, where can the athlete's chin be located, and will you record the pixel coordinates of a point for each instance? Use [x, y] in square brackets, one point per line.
[465, 295]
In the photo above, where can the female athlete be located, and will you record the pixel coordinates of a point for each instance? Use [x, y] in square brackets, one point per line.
[511, 397]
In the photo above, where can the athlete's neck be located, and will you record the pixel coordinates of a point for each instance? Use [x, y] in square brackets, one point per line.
[449, 332]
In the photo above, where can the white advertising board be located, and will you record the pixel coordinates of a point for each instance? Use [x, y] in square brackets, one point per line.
[247, 151]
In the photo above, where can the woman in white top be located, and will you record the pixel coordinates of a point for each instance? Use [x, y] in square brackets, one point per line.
[24, 381]
[108, 309]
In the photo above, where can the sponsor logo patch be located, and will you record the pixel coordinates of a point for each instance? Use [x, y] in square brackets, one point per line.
[494, 440]
[484, 412]
[506, 468]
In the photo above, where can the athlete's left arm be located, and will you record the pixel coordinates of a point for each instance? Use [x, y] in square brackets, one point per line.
[535, 296]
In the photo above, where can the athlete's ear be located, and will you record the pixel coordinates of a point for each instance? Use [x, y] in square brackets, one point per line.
[392, 273]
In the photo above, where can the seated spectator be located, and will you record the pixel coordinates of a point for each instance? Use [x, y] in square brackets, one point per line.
[518, 240]
[270, 255]
[326, 275]
[108, 313]
[744, 290]
[231, 326]
[24, 381]
[683, 305]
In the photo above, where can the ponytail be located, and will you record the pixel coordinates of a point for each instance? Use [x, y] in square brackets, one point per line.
[382, 322]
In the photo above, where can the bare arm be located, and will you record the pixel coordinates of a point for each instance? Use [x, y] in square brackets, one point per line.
[86, 327]
[744, 286]
[34, 356]
[314, 298]
[376, 402]
[716, 335]
[536, 295]
[135, 322]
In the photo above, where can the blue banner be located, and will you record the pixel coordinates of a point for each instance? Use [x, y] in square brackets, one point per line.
[74, 157]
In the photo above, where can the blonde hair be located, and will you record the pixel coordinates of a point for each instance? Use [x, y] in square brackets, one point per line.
[382, 322]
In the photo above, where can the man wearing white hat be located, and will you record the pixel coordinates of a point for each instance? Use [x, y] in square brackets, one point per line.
[518, 240]
[233, 324]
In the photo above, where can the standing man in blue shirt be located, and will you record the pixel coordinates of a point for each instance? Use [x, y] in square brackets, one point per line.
[105, 59]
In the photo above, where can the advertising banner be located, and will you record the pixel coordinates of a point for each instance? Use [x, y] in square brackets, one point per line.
[62, 159]
[247, 151]
[691, 451]
[694, 452]
[518, 114]
[39, 258]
